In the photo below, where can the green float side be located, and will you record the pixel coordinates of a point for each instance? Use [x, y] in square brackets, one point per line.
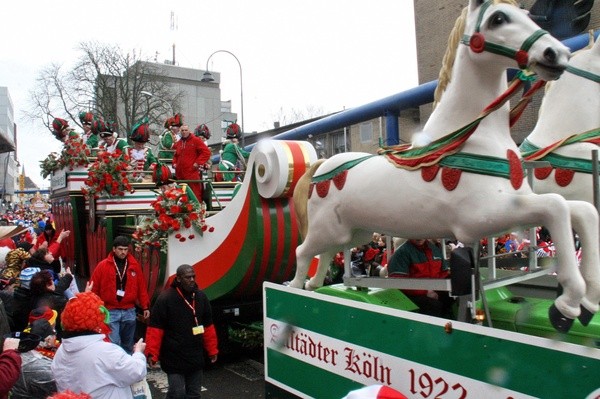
[530, 316]
[321, 346]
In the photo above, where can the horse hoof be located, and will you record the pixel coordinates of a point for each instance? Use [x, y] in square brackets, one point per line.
[586, 316]
[560, 322]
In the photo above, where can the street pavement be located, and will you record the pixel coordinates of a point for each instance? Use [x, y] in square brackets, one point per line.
[238, 377]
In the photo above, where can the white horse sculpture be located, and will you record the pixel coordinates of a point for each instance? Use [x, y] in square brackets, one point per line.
[482, 193]
[568, 129]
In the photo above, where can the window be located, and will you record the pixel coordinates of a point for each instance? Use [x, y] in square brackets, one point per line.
[337, 143]
[366, 132]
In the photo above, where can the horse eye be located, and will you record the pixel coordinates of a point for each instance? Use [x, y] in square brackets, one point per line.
[498, 18]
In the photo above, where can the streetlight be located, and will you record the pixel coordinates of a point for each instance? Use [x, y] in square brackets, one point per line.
[208, 77]
[148, 94]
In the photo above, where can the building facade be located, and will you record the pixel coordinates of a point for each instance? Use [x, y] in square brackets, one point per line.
[8, 161]
[199, 102]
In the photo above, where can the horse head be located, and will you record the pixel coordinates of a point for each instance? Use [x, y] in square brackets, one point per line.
[502, 28]
[568, 129]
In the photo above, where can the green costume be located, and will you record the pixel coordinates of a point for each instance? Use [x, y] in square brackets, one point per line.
[232, 153]
[166, 146]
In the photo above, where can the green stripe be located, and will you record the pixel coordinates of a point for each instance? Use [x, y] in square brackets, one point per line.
[559, 161]
[339, 169]
[584, 74]
[312, 381]
[234, 276]
[480, 164]
[475, 356]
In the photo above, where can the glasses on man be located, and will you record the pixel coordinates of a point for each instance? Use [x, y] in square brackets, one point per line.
[87, 123]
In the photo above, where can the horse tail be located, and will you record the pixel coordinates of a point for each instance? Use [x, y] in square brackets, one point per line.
[300, 197]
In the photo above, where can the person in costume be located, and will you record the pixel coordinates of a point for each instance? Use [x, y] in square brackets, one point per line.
[110, 139]
[181, 328]
[191, 155]
[140, 155]
[86, 361]
[233, 157]
[89, 136]
[166, 144]
[203, 132]
[61, 130]
[120, 282]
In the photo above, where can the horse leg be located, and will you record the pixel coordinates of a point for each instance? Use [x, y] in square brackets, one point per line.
[313, 245]
[555, 214]
[303, 260]
[584, 218]
[317, 280]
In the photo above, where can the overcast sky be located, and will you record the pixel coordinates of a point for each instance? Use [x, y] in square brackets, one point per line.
[295, 54]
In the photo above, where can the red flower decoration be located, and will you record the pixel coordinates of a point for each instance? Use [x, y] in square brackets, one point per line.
[107, 176]
[173, 211]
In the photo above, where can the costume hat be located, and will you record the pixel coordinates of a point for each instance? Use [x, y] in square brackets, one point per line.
[176, 120]
[86, 117]
[161, 174]
[202, 131]
[141, 131]
[85, 313]
[60, 128]
[233, 131]
[43, 312]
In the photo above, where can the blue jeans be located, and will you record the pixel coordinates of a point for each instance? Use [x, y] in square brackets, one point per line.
[122, 326]
[185, 386]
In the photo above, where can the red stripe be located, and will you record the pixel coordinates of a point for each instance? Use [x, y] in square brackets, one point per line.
[212, 268]
[281, 230]
[294, 241]
[242, 288]
[298, 164]
[267, 242]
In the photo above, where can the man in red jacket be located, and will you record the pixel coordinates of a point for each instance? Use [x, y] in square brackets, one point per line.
[119, 281]
[180, 329]
[423, 259]
[191, 155]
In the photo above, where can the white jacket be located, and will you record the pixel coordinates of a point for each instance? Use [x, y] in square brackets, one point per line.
[101, 369]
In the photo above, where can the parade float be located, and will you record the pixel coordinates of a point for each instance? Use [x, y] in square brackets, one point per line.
[326, 342]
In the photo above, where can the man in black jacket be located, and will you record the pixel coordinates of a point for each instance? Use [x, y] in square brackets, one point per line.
[180, 329]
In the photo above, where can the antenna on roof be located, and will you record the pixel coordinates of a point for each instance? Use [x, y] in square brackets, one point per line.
[174, 27]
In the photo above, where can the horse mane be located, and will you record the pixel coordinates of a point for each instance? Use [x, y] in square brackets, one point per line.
[453, 41]
[300, 197]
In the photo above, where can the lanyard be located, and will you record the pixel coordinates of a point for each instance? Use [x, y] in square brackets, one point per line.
[190, 305]
[121, 276]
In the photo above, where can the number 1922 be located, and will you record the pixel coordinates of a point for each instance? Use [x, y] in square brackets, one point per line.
[424, 385]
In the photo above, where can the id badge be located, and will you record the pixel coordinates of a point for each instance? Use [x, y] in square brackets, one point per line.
[120, 293]
[198, 330]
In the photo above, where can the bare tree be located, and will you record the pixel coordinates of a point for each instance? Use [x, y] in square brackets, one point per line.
[107, 81]
[285, 117]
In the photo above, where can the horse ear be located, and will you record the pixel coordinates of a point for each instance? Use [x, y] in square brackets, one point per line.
[475, 4]
[596, 46]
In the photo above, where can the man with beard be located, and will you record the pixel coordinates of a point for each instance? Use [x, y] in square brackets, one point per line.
[180, 328]
[119, 281]
[191, 154]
